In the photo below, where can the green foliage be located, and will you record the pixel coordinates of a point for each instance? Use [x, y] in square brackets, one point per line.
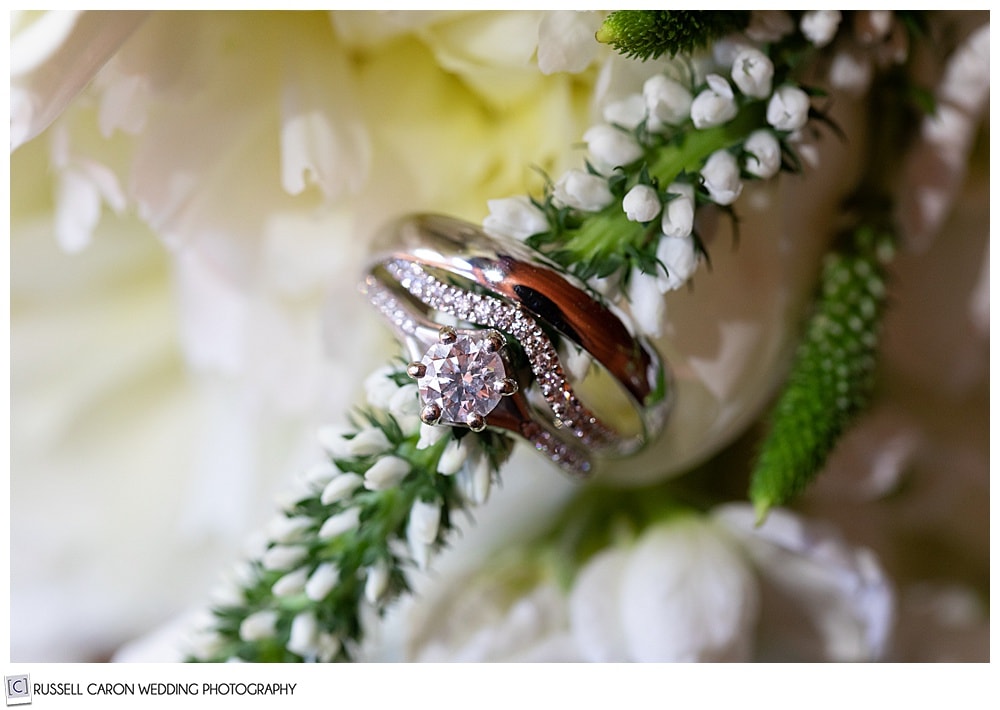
[833, 375]
[383, 516]
[648, 34]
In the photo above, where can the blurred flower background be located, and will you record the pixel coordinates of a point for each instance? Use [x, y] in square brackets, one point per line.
[192, 198]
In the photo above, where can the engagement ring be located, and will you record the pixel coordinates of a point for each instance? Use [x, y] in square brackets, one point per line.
[489, 326]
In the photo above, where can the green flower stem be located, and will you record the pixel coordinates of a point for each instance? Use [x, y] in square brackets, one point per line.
[609, 232]
[383, 519]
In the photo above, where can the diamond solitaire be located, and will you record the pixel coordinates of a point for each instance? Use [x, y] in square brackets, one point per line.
[462, 377]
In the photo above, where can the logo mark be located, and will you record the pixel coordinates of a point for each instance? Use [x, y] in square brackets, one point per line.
[18, 689]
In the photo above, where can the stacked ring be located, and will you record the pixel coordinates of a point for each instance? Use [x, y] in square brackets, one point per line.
[483, 321]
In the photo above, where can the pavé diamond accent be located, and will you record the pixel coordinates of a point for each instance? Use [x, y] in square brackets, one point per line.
[462, 377]
[494, 313]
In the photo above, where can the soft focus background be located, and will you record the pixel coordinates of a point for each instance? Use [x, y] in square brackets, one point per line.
[186, 238]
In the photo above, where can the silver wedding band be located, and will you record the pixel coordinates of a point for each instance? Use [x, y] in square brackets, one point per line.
[440, 282]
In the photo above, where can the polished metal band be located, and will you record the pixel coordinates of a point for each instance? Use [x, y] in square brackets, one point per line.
[432, 270]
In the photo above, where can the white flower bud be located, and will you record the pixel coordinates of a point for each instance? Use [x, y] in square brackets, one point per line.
[282, 557]
[678, 213]
[678, 256]
[259, 625]
[752, 73]
[627, 113]
[646, 303]
[340, 523]
[611, 147]
[820, 26]
[385, 473]
[291, 583]
[514, 217]
[368, 442]
[340, 487]
[285, 529]
[322, 580]
[668, 101]
[379, 389]
[788, 109]
[321, 473]
[721, 177]
[452, 457]
[641, 203]
[425, 518]
[715, 105]
[764, 160]
[331, 438]
[405, 402]
[582, 191]
[304, 634]
[430, 435]
[376, 581]
[475, 480]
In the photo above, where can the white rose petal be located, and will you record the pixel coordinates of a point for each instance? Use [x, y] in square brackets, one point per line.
[820, 26]
[611, 147]
[514, 217]
[842, 591]
[678, 213]
[764, 159]
[752, 73]
[582, 191]
[641, 204]
[595, 608]
[722, 177]
[340, 487]
[715, 105]
[321, 581]
[566, 41]
[385, 473]
[340, 523]
[687, 595]
[788, 109]
[259, 625]
[668, 101]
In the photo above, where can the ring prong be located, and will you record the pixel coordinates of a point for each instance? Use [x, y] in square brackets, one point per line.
[430, 414]
[475, 422]
[416, 370]
[494, 341]
[447, 335]
[506, 387]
